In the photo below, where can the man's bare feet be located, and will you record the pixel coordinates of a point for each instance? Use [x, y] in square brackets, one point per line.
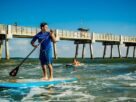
[50, 79]
[44, 78]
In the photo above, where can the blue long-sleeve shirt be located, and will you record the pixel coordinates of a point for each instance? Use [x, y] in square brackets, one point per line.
[46, 44]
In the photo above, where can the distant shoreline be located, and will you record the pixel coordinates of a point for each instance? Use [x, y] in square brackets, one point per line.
[69, 60]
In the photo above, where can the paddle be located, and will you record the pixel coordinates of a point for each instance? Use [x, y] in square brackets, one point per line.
[15, 70]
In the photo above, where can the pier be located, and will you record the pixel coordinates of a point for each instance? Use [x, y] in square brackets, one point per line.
[80, 37]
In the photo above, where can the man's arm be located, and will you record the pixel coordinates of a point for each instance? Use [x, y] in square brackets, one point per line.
[33, 40]
[32, 43]
[52, 36]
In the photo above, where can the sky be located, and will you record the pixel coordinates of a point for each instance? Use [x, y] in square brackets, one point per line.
[101, 16]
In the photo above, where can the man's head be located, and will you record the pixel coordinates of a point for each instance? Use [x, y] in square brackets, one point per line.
[44, 26]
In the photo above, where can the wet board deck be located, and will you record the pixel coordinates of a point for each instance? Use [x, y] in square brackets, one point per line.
[27, 83]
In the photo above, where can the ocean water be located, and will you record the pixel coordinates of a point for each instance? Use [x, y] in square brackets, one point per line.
[97, 82]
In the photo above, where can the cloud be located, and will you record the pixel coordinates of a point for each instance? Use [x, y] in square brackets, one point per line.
[19, 44]
[20, 41]
[66, 47]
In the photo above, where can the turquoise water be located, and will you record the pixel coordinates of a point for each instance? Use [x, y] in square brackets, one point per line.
[114, 82]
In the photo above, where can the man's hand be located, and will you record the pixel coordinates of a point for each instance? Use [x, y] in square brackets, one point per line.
[52, 35]
[51, 32]
[35, 46]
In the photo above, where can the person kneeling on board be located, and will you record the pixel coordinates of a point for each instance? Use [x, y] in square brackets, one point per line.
[45, 37]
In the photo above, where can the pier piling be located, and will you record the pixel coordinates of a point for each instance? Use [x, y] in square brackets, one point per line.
[134, 52]
[76, 53]
[1, 45]
[7, 49]
[55, 50]
[111, 51]
[127, 52]
[119, 51]
[104, 52]
[83, 52]
[91, 50]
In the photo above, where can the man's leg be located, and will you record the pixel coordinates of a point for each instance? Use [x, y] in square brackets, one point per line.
[50, 71]
[45, 76]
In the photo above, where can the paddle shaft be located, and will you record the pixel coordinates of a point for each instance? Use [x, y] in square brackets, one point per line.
[30, 53]
[26, 57]
[15, 71]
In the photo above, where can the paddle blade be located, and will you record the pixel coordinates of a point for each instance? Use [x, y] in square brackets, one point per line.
[14, 71]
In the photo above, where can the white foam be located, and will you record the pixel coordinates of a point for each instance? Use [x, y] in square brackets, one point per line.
[58, 64]
[74, 96]
[107, 84]
[76, 87]
[120, 77]
[132, 84]
[34, 91]
[4, 100]
[21, 77]
[123, 99]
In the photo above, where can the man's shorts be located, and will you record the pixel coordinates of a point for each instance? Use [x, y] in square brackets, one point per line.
[46, 56]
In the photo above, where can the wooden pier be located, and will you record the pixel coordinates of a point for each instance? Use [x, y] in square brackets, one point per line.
[80, 37]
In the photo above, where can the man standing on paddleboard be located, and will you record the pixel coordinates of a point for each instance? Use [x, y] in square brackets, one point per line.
[45, 37]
